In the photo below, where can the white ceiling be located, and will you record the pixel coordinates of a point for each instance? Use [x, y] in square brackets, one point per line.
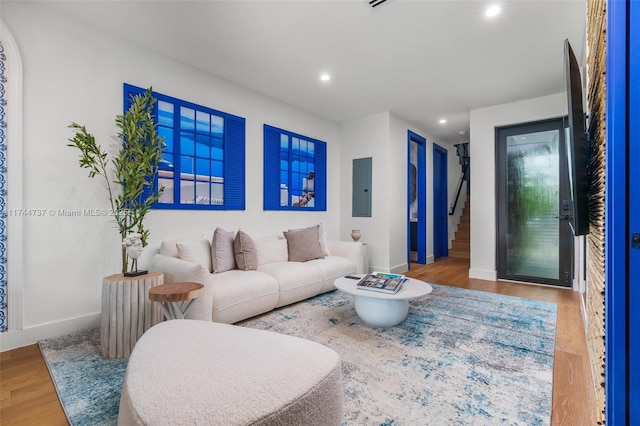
[422, 60]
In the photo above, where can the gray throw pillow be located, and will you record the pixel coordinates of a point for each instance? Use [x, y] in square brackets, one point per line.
[303, 244]
[222, 254]
[245, 252]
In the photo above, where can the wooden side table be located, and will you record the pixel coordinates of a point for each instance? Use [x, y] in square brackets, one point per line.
[126, 312]
[175, 298]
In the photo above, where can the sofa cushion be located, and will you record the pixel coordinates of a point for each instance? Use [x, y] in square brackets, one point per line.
[331, 268]
[245, 252]
[304, 244]
[296, 280]
[242, 294]
[222, 254]
[271, 249]
[195, 251]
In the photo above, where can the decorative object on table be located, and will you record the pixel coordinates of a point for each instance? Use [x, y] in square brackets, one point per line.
[127, 312]
[132, 170]
[133, 246]
[453, 340]
[168, 295]
[355, 235]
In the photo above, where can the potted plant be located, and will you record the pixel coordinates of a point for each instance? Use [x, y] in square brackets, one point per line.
[130, 176]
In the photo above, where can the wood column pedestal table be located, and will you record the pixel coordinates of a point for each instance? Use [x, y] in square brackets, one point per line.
[174, 299]
[127, 312]
[382, 309]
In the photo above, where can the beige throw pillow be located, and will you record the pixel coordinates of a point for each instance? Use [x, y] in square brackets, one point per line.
[245, 252]
[304, 244]
[222, 255]
[321, 237]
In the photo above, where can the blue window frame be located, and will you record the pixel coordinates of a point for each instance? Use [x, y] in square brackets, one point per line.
[202, 166]
[295, 171]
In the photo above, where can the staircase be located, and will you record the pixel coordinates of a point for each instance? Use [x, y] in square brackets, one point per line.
[460, 246]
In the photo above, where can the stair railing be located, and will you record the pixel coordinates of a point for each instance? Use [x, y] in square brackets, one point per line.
[460, 183]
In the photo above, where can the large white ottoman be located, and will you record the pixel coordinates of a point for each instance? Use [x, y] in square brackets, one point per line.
[203, 373]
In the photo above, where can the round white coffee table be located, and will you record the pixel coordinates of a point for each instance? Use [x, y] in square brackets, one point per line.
[383, 309]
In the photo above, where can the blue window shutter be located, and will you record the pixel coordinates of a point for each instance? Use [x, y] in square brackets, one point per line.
[234, 159]
[321, 176]
[271, 168]
[130, 91]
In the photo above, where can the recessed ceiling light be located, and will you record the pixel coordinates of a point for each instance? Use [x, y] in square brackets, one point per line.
[443, 121]
[325, 77]
[492, 11]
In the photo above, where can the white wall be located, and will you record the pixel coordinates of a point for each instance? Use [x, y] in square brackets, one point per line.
[383, 137]
[362, 138]
[482, 151]
[72, 73]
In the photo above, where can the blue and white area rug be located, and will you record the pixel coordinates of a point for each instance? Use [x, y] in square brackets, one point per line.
[461, 357]
[88, 384]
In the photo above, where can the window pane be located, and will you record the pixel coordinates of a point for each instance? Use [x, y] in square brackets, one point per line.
[216, 149]
[187, 191]
[216, 168]
[167, 134]
[186, 166]
[217, 126]
[533, 185]
[166, 163]
[202, 146]
[202, 122]
[187, 118]
[202, 169]
[217, 192]
[187, 144]
[167, 195]
[202, 193]
[165, 114]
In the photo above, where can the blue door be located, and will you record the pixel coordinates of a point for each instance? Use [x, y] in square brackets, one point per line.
[440, 203]
[416, 199]
[622, 228]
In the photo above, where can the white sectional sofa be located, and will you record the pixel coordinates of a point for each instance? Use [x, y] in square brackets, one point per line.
[236, 294]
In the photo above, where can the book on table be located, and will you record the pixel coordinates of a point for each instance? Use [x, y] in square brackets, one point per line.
[383, 282]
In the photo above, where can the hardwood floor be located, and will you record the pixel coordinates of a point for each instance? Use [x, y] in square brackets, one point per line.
[28, 397]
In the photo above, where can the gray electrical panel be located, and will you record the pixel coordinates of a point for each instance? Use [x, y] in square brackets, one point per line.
[361, 197]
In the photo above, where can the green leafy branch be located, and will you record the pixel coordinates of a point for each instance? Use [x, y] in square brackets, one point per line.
[135, 167]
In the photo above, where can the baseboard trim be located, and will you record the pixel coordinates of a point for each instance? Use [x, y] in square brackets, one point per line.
[483, 274]
[400, 269]
[28, 336]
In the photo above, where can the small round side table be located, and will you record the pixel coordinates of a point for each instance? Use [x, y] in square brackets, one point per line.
[175, 298]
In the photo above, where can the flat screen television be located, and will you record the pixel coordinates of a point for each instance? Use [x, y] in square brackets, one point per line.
[577, 145]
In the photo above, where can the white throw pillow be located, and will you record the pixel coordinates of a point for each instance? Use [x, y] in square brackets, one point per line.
[196, 251]
[271, 249]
